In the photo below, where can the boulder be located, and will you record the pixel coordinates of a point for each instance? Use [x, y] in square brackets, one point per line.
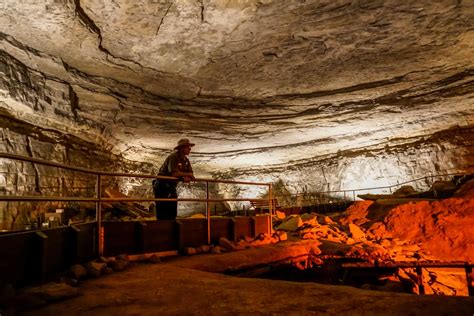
[291, 223]
[356, 232]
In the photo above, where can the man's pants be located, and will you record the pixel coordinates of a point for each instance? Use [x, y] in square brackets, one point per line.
[164, 209]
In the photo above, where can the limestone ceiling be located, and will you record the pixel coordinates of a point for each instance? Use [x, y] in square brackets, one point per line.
[251, 82]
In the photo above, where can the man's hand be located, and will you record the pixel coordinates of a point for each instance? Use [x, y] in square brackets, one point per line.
[188, 179]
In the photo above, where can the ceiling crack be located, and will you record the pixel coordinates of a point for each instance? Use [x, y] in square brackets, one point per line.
[163, 18]
[201, 4]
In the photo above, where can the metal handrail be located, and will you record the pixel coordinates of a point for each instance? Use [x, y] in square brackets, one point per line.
[117, 174]
[390, 187]
[98, 199]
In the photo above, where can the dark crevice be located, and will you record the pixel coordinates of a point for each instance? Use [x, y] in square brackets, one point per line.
[201, 4]
[358, 87]
[163, 18]
[90, 24]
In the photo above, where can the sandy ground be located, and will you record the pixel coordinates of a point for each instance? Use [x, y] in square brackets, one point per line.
[173, 288]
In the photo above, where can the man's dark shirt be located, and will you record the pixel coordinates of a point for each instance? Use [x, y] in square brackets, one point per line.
[175, 162]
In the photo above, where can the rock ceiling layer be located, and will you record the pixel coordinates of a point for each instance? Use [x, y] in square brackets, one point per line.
[251, 82]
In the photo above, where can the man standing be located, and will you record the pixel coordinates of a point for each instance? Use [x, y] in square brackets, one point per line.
[175, 165]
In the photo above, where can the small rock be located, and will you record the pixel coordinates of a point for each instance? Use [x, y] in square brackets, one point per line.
[226, 244]
[78, 271]
[119, 265]
[291, 223]
[309, 236]
[282, 235]
[94, 269]
[328, 220]
[215, 249]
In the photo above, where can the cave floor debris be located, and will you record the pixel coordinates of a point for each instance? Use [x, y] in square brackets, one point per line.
[183, 285]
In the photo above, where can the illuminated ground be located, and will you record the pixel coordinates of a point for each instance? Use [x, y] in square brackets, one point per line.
[174, 288]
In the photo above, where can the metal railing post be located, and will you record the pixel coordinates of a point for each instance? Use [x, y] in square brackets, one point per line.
[270, 207]
[208, 214]
[98, 208]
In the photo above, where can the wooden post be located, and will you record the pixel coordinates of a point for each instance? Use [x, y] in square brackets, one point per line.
[419, 273]
[43, 253]
[470, 288]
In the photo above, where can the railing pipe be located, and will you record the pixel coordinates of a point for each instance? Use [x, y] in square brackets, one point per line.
[208, 214]
[105, 173]
[270, 207]
[98, 209]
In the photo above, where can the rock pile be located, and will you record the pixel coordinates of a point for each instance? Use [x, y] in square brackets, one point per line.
[398, 230]
[225, 245]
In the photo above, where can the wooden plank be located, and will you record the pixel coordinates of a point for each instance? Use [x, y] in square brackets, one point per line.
[120, 237]
[192, 232]
[243, 226]
[261, 224]
[158, 236]
[221, 227]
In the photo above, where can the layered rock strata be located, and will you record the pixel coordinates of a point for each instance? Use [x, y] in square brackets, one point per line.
[322, 95]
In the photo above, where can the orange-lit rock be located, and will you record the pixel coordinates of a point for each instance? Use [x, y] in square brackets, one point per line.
[444, 228]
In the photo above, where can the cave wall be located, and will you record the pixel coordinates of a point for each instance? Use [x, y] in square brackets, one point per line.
[24, 178]
[312, 95]
[447, 152]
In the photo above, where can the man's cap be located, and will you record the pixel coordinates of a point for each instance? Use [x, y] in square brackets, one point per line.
[184, 142]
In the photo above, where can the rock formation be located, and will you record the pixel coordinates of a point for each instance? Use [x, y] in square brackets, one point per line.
[339, 94]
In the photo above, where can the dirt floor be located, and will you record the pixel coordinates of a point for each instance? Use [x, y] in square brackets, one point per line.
[181, 287]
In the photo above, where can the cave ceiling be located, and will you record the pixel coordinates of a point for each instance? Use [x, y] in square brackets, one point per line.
[251, 82]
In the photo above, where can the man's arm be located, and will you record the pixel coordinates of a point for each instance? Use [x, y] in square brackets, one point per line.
[175, 172]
